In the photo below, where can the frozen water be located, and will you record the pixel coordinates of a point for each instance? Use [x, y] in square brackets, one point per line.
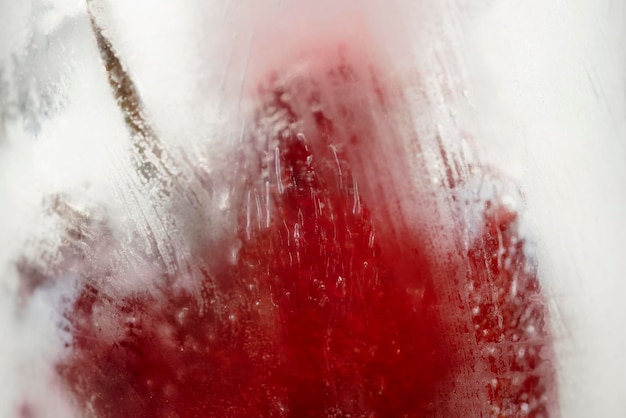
[534, 89]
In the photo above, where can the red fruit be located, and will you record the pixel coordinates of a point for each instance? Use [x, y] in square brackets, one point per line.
[340, 301]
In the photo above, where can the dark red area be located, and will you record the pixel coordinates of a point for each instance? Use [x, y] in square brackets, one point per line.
[318, 316]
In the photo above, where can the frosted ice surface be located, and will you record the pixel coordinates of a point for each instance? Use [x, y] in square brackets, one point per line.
[154, 155]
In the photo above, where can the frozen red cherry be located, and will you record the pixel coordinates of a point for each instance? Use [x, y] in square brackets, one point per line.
[339, 300]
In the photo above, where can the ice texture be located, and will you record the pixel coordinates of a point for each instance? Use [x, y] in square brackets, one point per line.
[287, 209]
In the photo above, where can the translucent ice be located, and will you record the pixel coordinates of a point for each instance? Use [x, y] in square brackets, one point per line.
[292, 209]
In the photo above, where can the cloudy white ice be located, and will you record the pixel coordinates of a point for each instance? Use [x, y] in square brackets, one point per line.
[539, 86]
